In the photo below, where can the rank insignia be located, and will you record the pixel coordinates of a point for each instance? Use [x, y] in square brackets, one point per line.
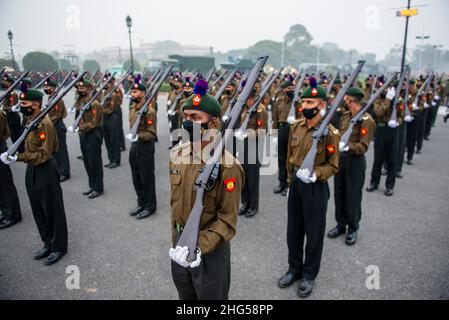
[197, 100]
[230, 184]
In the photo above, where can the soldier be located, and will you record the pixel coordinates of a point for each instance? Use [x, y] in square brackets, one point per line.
[309, 191]
[9, 201]
[227, 96]
[141, 155]
[208, 277]
[412, 126]
[432, 110]
[349, 180]
[386, 143]
[13, 118]
[57, 116]
[280, 111]
[91, 139]
[42, 180]
[422, 119]
[251, 165]
[111, 124]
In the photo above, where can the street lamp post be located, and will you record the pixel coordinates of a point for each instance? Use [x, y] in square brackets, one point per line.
[435, 54]
[129, 23]
[404, 49]
[10, 36]
[422, 49]
[283, 52]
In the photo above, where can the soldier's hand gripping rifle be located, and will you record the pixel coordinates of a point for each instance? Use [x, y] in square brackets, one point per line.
[309, 160]
[242, 130]
[235, 96]
[35, 122]
[426, 104]
[11, 88]
[225, 84]
[345, 137]
[292, 113]
[87, 106]
[393, 122]
[210, 172]
[37, 86]
[109, 94]
[149, 96]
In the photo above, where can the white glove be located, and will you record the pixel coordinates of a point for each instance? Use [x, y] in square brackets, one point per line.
[224, 118]
[72, 130]
[426, 105]
[169, 103]
[129, 136]
[414, 106]
[179, 255]
[434, 104]
[408, 118]
[240, 135]
[15, 108]
[304, 175]
[72, 110]
[275, 141]
[391, 93]
[436, 98]
[291, 119]
[343, 147]
[6, 159]
[392, 123]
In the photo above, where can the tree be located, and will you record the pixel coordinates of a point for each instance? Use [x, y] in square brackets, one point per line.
[65, 65]
[8, 63]
[127, 65]
[39, 62]
[266, 47]
[91, 66]
[298, 35]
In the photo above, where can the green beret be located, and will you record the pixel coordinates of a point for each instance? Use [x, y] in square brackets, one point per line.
[188, 84]
[317, 92]
[286, 84]
[355, 92]
[412, 81]
[139, 86]
[51, 83]
[27, 81]
[31, 95]
[205, 103]
[8, 78]
[338, 80]
[83, 83]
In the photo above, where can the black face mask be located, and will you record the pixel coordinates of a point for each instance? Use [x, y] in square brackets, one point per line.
[290, 94]
[82, 94]
[136, 99]
[310, 113]
[187, 93]
[188, 125]
[47, 91]
[26, 111]
[228, 92]
[4, 86]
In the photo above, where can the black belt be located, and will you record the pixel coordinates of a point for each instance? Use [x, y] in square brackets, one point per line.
[284, 123]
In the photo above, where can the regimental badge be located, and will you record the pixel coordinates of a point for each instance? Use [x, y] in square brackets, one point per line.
[22, 96]
[299, 109]
[230, 184]
[57, 108]
[11, 99]
[401, 107]
[259, 123]
[363, 131]
[94, 112]
[150, 122]
[331, 149]
[197, 100]
[42, 136]
[314, 92]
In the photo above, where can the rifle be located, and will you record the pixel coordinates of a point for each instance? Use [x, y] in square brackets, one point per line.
[171, 111]
[258, 100]
[11, 88]
[292, 113]
[149, 95]
[310, 158]
[94, 75]
[235, 96]
[210, 172]
[393, 122]
[419, 93]
[345, 137]
[37, 86]
[225, 84]
[210, 74]
[373, 86]
[87, 105]
[109, 94]
[35, 122]
[61, 85]
[218, 79]
[331, 84]
[408, 116]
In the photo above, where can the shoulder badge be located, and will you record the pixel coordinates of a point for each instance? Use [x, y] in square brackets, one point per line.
[230, 184]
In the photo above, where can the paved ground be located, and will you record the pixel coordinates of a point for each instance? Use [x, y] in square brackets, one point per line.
[406, 236]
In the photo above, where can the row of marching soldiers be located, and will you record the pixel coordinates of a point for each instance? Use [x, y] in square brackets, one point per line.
[98, 115]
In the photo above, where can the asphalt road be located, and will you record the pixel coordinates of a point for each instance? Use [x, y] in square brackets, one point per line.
[119, 257]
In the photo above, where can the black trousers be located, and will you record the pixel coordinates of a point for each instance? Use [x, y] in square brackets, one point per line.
[307, 206]
[119, 113]
[91, 151]
[402, 141]
[174, 124]
[9, 200]
[141, 160]
[211, 280]
[283, 133]
[251, 166]
[429, 121]
[348, 190]
[435, 114]
[62, 155]
[386, 145]
[412, 135]
[421, 129]
[111, 133]
[47, 204]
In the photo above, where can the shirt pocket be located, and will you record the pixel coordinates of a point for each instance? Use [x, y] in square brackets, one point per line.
[175, 183]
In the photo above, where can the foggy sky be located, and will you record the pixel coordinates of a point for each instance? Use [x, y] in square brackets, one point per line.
[365, 25]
